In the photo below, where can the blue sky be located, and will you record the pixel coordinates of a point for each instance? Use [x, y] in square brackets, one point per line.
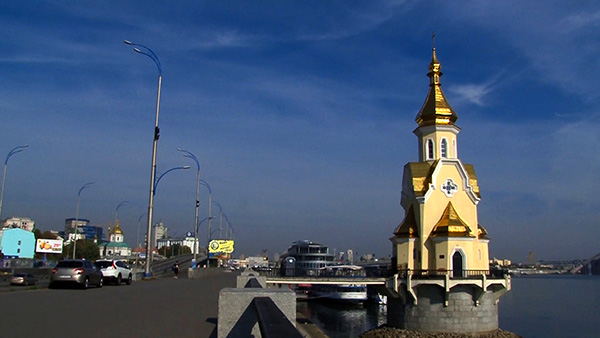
[301, 114]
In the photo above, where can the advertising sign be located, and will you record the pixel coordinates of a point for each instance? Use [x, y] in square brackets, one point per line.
[220, 245]
[49, 245]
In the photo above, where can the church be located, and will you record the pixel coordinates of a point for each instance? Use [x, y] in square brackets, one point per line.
[440, 194]
[116, 245]
[439, 250]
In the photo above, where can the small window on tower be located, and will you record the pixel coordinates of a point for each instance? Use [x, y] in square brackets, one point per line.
[444, 148]
[430, 149]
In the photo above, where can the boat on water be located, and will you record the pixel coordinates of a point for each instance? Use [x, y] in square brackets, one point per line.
[355, 293]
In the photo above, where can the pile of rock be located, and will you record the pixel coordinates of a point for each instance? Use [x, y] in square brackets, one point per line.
[391, 332]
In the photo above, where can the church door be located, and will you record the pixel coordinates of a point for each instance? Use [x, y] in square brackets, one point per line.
[457, 264]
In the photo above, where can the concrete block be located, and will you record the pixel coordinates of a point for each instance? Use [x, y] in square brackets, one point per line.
[242, 279]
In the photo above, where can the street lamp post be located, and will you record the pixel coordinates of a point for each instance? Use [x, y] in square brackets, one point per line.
[196, 238]
[204, 183]
[85, 186]
[149, 53]
[10, 153]
[138, 229]
[220, 215]
[193, 157]
[117, 210]
[148, 272]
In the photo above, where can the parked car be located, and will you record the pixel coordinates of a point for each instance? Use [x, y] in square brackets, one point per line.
[115, 271]
[76, 271]
[23, 279]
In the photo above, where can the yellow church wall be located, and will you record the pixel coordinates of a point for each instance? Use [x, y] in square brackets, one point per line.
[404, 254]
[476, 253]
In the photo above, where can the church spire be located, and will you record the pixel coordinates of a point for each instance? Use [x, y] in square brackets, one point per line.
[436, 110]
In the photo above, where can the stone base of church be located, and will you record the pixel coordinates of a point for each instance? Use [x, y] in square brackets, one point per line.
[462, 309]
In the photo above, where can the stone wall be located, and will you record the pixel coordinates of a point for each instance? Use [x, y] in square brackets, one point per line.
[430, 314]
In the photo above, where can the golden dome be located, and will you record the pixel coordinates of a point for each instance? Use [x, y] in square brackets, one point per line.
[117, 229]
[436, 109]
[451, 225]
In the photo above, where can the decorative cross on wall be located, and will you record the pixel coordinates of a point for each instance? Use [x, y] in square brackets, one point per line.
[449, 187]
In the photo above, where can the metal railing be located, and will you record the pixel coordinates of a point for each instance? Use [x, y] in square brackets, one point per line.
[439, 273]
[442, 273]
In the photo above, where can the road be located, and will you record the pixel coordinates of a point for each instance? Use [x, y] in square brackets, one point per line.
[163, 307]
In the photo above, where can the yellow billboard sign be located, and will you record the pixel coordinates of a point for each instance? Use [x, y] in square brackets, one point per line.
[220, 245]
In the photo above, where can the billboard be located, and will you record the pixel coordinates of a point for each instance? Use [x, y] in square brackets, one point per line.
[220, 246]
[49, 245]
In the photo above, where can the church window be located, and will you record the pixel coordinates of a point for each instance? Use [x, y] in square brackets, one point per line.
[444, 148]
[430, 149]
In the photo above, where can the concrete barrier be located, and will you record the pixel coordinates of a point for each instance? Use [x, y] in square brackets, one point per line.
[238, 316]
[253, 310]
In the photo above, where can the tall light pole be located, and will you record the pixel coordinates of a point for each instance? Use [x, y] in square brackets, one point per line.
[149, 53]
[85, 186]
[148, 272]
[193, 157]
[204, 183]
[196, 238]
[10, 153]
[117, 210]
[138, 229]
[220, 215]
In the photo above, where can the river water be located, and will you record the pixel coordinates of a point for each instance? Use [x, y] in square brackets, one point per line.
[537, 306]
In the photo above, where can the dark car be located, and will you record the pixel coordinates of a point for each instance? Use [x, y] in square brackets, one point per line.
[23, 279]
[76, 271]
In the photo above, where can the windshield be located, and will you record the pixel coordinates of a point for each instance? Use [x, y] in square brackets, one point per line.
[103, 264]
[69, 264]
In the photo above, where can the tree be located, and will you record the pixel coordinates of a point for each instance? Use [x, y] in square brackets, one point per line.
[86, 248]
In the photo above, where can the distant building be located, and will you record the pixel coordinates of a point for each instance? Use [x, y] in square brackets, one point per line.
[350, 256]
[187, 241]
[19, 223]
[92, 232]
[500, 262]
[71, 223]
[160, 232]
[17, 243]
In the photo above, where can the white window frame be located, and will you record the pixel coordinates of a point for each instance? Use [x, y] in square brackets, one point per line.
[444, 148]
[429, 149]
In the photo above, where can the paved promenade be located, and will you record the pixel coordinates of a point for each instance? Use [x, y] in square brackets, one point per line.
[163, 307]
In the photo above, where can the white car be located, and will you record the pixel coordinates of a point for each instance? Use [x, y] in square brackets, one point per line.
[115, 271]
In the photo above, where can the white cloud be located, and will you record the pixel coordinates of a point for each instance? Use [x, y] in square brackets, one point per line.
[472, 93]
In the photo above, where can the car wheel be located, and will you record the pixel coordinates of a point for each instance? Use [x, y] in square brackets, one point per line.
[101, 282]
[118, 279]
[86, 283]
[129, 279]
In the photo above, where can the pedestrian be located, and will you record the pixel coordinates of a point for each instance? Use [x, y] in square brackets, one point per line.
[175, 269]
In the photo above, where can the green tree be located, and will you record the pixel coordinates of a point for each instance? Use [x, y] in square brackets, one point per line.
[86, 248]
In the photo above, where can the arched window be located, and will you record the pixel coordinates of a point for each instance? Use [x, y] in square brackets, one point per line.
[444, 148]
[430, 151]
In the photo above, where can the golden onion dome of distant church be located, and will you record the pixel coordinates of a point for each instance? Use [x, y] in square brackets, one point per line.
[117, 229]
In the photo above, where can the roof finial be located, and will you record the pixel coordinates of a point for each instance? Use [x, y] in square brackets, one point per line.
[433, 40]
